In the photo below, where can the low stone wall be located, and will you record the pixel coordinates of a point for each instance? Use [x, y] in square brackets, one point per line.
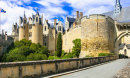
[41, 68]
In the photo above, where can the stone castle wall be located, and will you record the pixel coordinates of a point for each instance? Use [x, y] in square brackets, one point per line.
[97, 35]
[68, 37]
[33, 69]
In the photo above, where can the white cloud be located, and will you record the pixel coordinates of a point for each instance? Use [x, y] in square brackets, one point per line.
[52, 8]
[12, 13]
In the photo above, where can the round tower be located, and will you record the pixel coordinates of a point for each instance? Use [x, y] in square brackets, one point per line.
[21, 33]
[37, 34]
[97, 35]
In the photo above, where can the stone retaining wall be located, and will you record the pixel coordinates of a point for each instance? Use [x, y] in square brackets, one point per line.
[41, 68]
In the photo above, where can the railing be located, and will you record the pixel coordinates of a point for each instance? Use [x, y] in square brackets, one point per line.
[47, 67]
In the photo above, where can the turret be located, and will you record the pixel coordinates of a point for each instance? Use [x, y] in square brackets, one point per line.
[118, 7]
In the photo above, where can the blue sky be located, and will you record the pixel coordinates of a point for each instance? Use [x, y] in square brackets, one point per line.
[53, 9]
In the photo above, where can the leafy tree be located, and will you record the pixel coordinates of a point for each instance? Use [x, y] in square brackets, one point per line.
[59, 45]
[14, 55]
[77, 47]
[25, 50]
[23, 42]
[44, 50]
[36, 56]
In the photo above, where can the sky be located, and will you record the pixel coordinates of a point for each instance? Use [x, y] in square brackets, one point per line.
[52, 9]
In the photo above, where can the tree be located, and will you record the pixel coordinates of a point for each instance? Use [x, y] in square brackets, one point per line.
[44, 50]
[77, 47]
[36, 56]
[59, 45]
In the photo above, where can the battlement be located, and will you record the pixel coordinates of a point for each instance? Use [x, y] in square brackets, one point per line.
[97, 16]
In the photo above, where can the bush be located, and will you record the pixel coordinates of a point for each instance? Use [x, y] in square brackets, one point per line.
[36, 56]
[76, 47]
[89, 56]
[51, 58]
[122, 56]
[105, 54]
[67, 56]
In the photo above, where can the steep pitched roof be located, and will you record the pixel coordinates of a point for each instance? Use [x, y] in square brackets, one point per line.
[121, 46]
[128, 46]
[71, 19]
[123, 17]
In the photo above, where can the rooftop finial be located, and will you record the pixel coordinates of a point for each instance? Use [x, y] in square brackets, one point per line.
[24, 14]
[117, 1]
[37, 9]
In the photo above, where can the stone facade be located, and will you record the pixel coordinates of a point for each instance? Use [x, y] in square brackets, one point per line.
[96, 34]
[5, 41]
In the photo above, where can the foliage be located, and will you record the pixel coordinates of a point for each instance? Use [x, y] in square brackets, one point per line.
[25, 50]
[105, 54]
[44, 50]
[122, 56]
[63, 53]
[53, 58]
[36, 56]
[67, 56]
[23, 42]
[76, 48]
[59, 45]
[89, 56]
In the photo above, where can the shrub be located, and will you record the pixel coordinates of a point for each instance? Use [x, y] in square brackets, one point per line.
[76, 47]
[122, 56]
[36, 56]
[89, 56]
[105, 54]
[51, 58]
[67, 56]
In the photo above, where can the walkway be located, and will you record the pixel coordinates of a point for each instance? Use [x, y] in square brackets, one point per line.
[102, 71]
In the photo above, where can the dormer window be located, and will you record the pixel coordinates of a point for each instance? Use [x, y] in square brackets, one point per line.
[59, 28]
[36, 19]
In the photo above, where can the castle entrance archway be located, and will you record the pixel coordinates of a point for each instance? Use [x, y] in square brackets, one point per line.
[127, 33]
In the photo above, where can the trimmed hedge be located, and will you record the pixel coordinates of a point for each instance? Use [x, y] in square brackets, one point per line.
[105, 54]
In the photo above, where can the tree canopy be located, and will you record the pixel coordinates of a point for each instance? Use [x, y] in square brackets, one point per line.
[25, 50]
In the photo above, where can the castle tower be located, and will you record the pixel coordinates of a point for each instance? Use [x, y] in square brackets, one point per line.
[37, 29]
[23, 29]
[97, 35]
[118, 7]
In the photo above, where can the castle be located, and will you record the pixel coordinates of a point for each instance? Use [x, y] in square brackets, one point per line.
[98, 33]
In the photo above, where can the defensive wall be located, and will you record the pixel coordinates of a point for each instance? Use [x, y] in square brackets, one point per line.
[41, 68]
[69, 36]
[97, 35]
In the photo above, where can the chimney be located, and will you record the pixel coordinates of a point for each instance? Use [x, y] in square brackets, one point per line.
[6, 35]
[77, 15]
[81, 14]
[55, 21]
[46, 20]
[29, 18]
[2, 32]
